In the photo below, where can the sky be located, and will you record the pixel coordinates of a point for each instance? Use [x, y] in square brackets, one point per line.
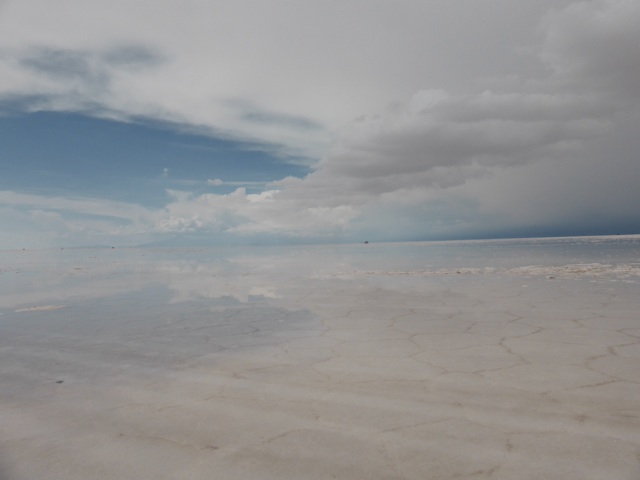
[278, 121]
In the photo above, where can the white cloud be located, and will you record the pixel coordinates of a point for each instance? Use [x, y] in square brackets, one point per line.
[267, 70]
[38, 221]
[80, 205]
[242, 213]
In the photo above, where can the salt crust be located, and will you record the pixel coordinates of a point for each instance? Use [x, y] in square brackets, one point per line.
[278, 372]
[577, 269]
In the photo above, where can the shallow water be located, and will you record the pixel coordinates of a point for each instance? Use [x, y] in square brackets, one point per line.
[476, 359]
[34, 276]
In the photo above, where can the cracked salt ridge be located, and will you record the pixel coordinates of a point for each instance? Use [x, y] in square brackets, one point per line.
[43, 308]
[577, 269]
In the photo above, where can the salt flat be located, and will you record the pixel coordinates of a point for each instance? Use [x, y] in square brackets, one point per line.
[419, 361]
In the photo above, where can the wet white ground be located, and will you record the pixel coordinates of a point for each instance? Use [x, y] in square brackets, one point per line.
[295, 366]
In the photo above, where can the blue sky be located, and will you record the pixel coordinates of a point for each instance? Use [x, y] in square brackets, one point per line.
[56, 153]
[127, 123]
